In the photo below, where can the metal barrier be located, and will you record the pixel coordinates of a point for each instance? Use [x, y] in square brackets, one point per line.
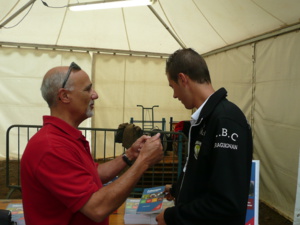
[103, 148]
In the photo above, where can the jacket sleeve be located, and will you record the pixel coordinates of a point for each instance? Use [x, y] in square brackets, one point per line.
[223, 194]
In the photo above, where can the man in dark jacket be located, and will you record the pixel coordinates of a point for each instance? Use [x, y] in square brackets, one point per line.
[214, 185]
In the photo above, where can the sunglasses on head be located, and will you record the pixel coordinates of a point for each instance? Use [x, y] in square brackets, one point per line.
[72, 66]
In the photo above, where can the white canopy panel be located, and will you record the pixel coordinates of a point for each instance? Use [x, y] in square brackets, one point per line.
[204, 25]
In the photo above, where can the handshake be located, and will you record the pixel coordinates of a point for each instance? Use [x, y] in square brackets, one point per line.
[127, 134]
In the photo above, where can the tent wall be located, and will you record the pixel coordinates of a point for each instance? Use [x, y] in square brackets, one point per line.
[277, 124]
[21, 72]
[261, 78]
[234, 70]
[122, 82]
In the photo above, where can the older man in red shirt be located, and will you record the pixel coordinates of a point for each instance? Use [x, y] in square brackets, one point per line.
[61, 184]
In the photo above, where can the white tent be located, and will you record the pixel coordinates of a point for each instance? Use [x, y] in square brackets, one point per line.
[204, 25]
[252, 48]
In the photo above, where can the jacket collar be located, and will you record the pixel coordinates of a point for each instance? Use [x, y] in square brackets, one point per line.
[212, 102]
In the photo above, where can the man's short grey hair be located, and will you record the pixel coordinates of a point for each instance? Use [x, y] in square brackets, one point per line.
[51, 85]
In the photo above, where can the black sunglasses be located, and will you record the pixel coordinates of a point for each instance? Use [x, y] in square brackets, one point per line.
[72, 66]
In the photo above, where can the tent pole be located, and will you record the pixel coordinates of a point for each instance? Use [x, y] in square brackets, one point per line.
[166, 26]
[84, 49]
[281, 31]
[17, 13]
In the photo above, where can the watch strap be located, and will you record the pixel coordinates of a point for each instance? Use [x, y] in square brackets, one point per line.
[126, 160]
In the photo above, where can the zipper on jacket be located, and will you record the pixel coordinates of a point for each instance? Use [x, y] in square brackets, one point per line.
[187, 159]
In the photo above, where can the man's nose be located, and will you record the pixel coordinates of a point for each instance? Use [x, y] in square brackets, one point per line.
[94, 95]
[174, 95]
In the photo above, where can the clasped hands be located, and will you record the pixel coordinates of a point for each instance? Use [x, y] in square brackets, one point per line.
[147, 147]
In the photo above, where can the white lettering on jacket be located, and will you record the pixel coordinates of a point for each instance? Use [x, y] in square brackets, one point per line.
[226, 145]
[224, 133]
[231, 136]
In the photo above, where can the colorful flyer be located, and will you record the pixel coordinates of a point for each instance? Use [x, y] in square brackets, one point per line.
[151, 200]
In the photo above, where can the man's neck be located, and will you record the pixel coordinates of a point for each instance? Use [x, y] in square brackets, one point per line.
[65, 117]
[201, 93]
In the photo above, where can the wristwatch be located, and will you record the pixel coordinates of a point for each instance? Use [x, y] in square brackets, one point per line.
[126, 160]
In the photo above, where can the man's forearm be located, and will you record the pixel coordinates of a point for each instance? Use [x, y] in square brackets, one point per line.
[109, 198]
[109, 170]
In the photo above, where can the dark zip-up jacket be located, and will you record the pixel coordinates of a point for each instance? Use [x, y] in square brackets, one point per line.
[214, 188]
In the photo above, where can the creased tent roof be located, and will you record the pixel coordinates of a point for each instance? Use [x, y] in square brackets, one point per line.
[205, 25]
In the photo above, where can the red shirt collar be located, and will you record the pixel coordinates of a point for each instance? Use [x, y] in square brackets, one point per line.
[64, 126]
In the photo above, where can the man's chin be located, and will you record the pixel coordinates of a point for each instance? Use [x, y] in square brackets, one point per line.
[188, 107]
[89, 114]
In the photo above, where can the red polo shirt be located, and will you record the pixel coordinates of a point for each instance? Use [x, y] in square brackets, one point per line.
[58, 176]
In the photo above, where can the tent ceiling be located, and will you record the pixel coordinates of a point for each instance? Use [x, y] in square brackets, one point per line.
[204, 25]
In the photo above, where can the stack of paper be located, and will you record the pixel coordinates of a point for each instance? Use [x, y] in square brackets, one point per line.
[145, 209]
[131, 217]
[17, 214]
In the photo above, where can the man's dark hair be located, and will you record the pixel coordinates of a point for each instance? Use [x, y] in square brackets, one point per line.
[189, 62]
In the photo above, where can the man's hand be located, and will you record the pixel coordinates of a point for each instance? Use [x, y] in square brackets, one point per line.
[168, 195]
[151, 151]
[134, 151]
[160, 218]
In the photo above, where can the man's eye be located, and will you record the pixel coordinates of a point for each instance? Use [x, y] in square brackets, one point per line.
[88, 89]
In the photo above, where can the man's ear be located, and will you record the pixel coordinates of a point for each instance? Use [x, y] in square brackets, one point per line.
[63, 95]
[182, 78]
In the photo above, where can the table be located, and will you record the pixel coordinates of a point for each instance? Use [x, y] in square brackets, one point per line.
[118, 217]
[114, 219]
[5, 202]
